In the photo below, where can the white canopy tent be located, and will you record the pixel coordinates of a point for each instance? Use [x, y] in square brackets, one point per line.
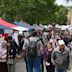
[45, 26]
[70, 28]
[20, 28]
[37, 27]
[64, 27]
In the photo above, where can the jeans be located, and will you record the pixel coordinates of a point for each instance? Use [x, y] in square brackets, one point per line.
[42, 65]
[34, 64]
[61, 70]
[26, 64]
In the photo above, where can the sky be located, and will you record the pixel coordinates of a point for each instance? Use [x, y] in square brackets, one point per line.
[62, 2]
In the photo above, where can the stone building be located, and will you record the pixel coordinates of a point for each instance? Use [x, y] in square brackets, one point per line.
[69, 16]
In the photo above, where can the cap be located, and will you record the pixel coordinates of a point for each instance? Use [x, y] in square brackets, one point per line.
[61, 42]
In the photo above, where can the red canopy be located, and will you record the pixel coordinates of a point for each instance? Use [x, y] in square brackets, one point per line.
[7, 24]
[12, 26]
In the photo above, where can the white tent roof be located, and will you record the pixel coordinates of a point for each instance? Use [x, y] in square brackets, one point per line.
[20, 28]
[45, 26]
[41, 25]
[64, 27]
[70, 28]
[37, 27]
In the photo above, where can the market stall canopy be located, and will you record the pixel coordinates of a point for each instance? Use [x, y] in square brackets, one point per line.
[11, 26]
[37, 27]
[45, 26]
[70, 28]
[7, 24]
[64, 27]
[41, 25]
[26, 25]
[3, 27]
[20, 28]
[19, 24]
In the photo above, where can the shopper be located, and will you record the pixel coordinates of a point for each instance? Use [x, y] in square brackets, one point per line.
[61, 57]
[3, 56]
[47, 57]
[33, 50]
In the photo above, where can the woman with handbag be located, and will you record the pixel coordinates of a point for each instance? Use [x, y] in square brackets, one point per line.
[47, 58]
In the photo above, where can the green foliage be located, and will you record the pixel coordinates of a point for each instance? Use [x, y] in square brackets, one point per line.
[61, 15]
[33, 11]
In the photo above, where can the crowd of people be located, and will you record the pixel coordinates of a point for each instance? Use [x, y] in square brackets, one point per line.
[48, 48]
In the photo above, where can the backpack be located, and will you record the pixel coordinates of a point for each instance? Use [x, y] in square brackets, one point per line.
[32, 49]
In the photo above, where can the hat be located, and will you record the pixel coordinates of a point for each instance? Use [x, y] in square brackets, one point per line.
[61, 42]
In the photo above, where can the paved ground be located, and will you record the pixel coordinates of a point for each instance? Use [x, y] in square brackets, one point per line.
[21, 67]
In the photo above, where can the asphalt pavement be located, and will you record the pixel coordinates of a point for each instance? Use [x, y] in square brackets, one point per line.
[21, 67]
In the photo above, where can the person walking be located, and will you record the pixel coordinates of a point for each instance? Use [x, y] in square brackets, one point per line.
[66, 38]
[47, 57]
[34, 49]
[10, 55]
[61, 57]
[3, 56]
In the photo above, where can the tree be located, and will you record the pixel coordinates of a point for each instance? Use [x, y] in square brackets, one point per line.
[61, 15]
[41, 11]
[32, 11]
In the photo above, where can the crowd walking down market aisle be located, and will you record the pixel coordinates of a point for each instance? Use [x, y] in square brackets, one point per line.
[41, 47]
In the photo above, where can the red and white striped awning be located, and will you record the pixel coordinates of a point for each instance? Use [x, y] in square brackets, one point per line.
[12, 26]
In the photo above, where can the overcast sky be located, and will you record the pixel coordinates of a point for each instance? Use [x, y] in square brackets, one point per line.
[62, 2]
